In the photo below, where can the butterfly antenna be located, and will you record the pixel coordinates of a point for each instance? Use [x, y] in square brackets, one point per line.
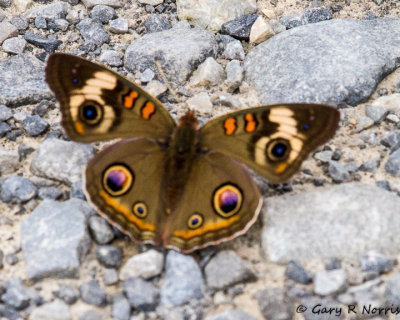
[172, 91]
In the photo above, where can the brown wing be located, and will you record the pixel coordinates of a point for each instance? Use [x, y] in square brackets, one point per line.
[124, 182]
[99, 104]
[273, 140]
[220, 201]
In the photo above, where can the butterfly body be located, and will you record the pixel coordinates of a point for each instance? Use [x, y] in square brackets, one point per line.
[171, 184]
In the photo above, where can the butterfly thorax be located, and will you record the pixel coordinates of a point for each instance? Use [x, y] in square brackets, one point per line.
[182, 150]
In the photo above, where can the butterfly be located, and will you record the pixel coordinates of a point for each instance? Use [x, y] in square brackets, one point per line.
[174, 184]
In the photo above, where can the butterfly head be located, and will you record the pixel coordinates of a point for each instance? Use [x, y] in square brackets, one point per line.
[189, 119]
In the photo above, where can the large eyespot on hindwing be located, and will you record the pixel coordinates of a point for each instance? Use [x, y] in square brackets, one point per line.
[117, 180]
[277, 150]
[91, 113]
[195, 221]
[227, 200]
[139, 209]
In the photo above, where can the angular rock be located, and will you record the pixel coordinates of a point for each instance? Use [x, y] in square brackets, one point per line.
[151, 2]
[51, 12]
[157, 23]
[392, 291]
[318, 14]
[319, 66]
[200, 102]
[260, 31]
[61, 160]
[14, 45]
[392, 164]
[56, 310]
[103, 13]
[111, 3]
[329, 282]
[9, 160]
[142, 295]
[275, 304]
[391, 140]
[68, 294]
[296, 272]
[234, 74]
[17, 189]
[338, 172]
[110, 277]
[109, 256]
[92, 293]
[234, 51]
[375, 113]
[5, 113]
[370, 165]
[120, 308]
[7, 30]
[183, 280]
[376, 262]
[239, 28]
[295, 224]
[227, 269]
[35, 125]
[211, 14]
[22, 81]
[145, 265]
[16, 294]
[53, 193]
[63, 225]
[119, 26]
[391, 103]
[93, 32]
[292, 20]
[112, 58]
[101, 230]
[178, 50]
[210, 72]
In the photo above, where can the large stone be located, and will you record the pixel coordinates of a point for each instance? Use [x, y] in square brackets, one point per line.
[178, 50]
[22, 81]
[55, 310]
[211, 14]
[52, 11]
[145, 265]
[318, 63]
[61, 160]
[54, 239]
[342, 221]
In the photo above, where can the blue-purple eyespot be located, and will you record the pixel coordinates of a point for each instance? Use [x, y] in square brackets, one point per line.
[277, 149]
[195, 221]
[117, 180]
[227, 200]
[90, 113]
[140, 209]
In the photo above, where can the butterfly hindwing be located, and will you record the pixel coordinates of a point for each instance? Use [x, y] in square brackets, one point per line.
[99, 104]
[272, 140]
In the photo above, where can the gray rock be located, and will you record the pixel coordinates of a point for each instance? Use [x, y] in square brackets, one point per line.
[292, 20]
[4, 129]
[9, 312]
[63, 225]
[16, 295]
[111, 3]
[7, 30]
[392, 291]
[22, 81]
[146, 76]
[376, 113]
[5, 113]
[296, 272]
[77, 191]
[295, 224]
[142, 295]
[120, 308]
[239, 28]
[275, 304]
[119, 26]
[61, 160]
[370, 165]
[17, 189]
[92, 293]
[62, 24]
[112, 58]
[391, 140]
[227, 269]
[145, 265]
[212, 14]
[51, 12]
[103, 13]
[210, 72]
[56, 310]
[9, 161]
[323, 156]
[14, 45]
[392, 164]
[329, 282]
[376, 262]
[35, 125]
[20, 22]
[11, 259]
[53, 193]
[5, 3]
[91, 315]
[40, 22]
[178, 50]
[183, 280]
[110, 277]
[234, 74]
[317, 14]
[157, 23]
[233, 314]
[233, 51]
[363, 123]
[338, 172]
[109, 256]
[101, 230]
[68, 294]
[93, 32]
[319, 66]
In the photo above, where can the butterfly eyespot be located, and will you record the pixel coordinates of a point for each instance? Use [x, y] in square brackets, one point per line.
[227, 200]
[90, 113]
[140, 210]
[75, 80]
[195, 221]
[306, 126]
[117, 180]
[277, 150]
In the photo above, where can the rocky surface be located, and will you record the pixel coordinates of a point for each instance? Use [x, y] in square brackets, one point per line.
[328, 237]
